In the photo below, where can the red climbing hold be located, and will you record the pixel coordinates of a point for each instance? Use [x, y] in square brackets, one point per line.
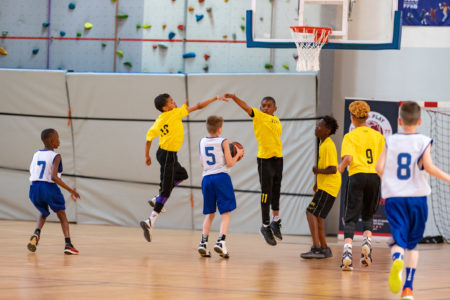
[180, 27]
[206, 56]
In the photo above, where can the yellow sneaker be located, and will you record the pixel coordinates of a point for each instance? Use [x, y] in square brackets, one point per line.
[407, 294]
[395, 277]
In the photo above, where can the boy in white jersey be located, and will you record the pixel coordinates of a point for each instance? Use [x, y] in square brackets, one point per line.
[217, 189]
[45, 175]
[403, 166]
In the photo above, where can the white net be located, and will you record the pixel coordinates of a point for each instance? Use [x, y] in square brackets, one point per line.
[440, 190]
[309, 42]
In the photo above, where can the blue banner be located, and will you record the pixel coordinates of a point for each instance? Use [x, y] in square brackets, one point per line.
[425, 12]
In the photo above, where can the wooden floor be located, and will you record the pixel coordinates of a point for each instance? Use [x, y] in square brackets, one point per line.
[117, 263]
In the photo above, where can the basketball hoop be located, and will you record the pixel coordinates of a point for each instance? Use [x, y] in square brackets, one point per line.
[309, 42]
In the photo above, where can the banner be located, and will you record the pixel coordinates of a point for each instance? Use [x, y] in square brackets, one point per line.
[425, 12]
[383, 118]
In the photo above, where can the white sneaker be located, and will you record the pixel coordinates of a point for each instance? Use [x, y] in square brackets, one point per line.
[221, 248]
[147, 227]
[152, 203]
[203, 249]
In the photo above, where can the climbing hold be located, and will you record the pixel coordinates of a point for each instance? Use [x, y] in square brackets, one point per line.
[243, 27]
[122, 16]
[199, 17]
[226, 1]
[113, 0]
[180, 27]
[295, 55]
[45, 24]
[3, 51]
[138, 26]
[128, 64]
[201, 1]
[206, 56]
[191, 9]
[154, 47]
[62, 33]
[206, 68]
[72, 5]
[147, 26]
[225, 36]
[164, 26]
[78, 34]
[286, 67]
[234, 36]
[209, 9]
[171, 35]
[119, 53]
[87, 25]
[35, 51]
[103, 45]
[4, 33]
[268, 66]
[163, 45]
[189, 55]
[261, 19]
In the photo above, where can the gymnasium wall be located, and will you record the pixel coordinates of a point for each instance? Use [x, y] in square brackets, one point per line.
[102, 147]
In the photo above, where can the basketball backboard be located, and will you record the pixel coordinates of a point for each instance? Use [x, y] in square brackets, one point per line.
[356, 24]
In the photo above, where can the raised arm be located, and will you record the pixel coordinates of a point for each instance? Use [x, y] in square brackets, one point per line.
[59, 181]
[431, 169]
[204, 103]
[379, 167]
[241, 103]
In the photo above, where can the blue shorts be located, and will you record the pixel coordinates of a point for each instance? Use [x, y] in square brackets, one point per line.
[44, 194]
[407, 217]
[218, 191]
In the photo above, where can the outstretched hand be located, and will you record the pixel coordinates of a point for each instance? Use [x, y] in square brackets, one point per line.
[232, 96]
[221, 98]
[74, 195]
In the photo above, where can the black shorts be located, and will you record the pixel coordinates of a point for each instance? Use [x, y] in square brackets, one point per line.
[321, 204]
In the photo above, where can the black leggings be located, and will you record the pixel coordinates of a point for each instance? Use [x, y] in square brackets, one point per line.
[270, 172]
[171, 171]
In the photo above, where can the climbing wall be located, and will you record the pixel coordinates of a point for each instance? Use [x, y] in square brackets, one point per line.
[134, 36]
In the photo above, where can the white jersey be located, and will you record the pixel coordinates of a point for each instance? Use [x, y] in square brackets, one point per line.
[41, 167]
[212, 156]
[402, 176]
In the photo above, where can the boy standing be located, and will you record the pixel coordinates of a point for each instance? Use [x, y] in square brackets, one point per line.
[217, 189]
[45, 176]
[403, 167]
[268, 131]
[169, 128]
[361, 148]
[326, 188]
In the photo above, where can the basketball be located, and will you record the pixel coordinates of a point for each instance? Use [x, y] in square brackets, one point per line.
[233, 148]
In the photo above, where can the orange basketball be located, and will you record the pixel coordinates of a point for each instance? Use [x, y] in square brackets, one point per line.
[233, 148]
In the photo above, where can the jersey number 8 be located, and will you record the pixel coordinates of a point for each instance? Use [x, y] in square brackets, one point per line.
[403, 170]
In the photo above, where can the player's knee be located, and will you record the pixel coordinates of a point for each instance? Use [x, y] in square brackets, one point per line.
[368, 225]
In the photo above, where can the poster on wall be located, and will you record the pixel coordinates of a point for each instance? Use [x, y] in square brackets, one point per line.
[425, 12]
[383, 118]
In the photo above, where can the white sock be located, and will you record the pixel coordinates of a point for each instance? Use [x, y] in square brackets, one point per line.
[348, 247]
[153, 217]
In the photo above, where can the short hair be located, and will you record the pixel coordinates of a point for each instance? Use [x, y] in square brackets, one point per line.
[213, 123]
[161, 101]
[359, 110]
[46, 134]
[269, 99]
[410, 113]
[331, 124]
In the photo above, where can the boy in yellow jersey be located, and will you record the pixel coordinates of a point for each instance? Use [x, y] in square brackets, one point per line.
[169, 128]
[326, 189]
[268, 130]
[360, 150]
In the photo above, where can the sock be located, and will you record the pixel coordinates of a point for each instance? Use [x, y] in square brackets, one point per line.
[348, 247]
[221, 237]
[68, 240]
[397, 255]
[276, 218]
[37, 232]
[153, 217]
[409, 278]
[204, 238]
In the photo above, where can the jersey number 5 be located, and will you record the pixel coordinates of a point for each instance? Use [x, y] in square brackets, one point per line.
[41, 163]
[403, 170]
[213, 157]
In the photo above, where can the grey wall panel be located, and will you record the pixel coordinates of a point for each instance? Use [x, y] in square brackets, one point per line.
[23, 18]
[162, 60]
[20, 54]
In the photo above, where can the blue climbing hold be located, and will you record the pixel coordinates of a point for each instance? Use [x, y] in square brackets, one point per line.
[72, 5]
[171, 35]
[35, 51]
[199, 17]
[45, 24]
[62, 33]
[189, 55]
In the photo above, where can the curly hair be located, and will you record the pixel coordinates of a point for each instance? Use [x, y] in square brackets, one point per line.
[331, 124]
[359, 110]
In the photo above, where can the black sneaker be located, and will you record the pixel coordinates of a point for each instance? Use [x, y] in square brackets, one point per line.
[276, 229]
[327, 252]
[267, 234]
[313, 253]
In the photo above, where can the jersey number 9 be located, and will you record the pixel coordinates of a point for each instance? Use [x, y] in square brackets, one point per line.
[369, 156]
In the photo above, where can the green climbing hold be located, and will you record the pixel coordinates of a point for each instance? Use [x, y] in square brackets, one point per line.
[4, 33]
[119, 53]
[122, 16]
[78, 34]
[163, 45]
[103, 45]
[138, 26]
[128, 64]
[286, 67]
[268, 66]
[243, 27]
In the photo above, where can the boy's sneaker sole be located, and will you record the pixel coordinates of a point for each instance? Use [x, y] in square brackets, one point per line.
[220, 251]
[33, 243]
[347, 264]
[146, 230]
[366, 256]
[70, 252]
[272, 242]
[395, 280]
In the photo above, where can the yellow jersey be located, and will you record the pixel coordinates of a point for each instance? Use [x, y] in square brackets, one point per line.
[268, 132]
[365, 145]
[330, 183]
[169, 128]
